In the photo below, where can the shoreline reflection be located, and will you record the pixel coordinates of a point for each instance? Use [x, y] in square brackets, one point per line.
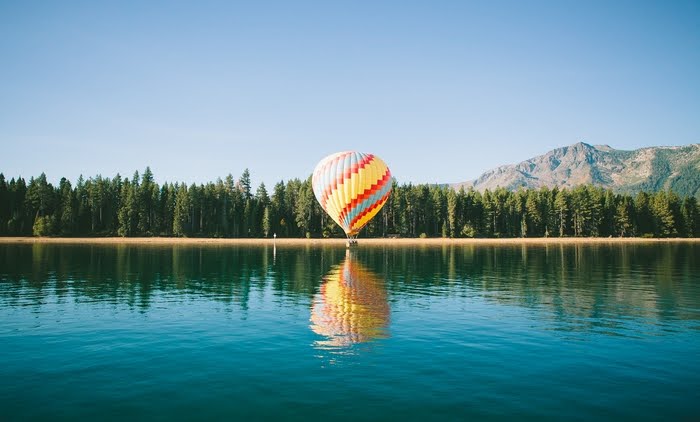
[608, 288]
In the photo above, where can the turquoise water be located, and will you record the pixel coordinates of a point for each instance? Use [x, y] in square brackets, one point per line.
[580, 332]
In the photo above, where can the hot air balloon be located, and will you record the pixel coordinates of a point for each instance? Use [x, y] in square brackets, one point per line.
[351, 187]
[351, 306]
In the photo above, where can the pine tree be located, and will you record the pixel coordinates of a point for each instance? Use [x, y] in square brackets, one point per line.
[664, 224]
[195, 205]
[266, 222]
[181, 212]
[291, 193]
[561, 209]
[675, 205]
[127, 211]
[82, 207]
[39, 197]
[67, 205]
[17, 224]
[146, 203]
[501, 196]
[691, 217]
[474, 217]
[452, 212]
[644, 219]
[304, 208]
[491, 214]
[608, 214]
[622, 221]
[597, 199]
[278, 209]
[533, 215]
[244, 185]
[260, 203]
[166, 209]
[96, 199]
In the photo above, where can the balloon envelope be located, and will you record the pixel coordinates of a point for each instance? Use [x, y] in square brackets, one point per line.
[351, 187]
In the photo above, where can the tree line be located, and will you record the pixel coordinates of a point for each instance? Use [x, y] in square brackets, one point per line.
[138, 206]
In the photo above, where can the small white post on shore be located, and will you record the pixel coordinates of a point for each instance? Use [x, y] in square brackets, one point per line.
[274, 248]
[274, 254]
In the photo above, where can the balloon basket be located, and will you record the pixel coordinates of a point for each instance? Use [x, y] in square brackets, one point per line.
[351, 243]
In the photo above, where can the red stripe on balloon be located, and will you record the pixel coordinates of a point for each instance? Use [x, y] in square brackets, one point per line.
[378, 185]
[374, 206]
[354, 169]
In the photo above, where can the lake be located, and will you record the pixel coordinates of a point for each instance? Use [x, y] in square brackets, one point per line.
[454, 332]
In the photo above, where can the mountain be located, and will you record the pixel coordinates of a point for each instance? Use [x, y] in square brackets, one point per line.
[645, 169]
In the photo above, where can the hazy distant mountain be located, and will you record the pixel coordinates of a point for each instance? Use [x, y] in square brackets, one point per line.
[647, 169]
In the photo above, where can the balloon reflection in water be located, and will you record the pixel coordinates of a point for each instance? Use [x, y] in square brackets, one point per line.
[351, 306]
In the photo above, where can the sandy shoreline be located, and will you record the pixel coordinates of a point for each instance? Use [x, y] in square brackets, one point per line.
[332, 242]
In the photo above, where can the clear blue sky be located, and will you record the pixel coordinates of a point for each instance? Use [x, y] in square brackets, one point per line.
[441, 90]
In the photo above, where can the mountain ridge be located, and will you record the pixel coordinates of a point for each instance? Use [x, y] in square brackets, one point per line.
[624, 171]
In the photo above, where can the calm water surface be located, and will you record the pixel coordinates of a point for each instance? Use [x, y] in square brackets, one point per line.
[556, 332]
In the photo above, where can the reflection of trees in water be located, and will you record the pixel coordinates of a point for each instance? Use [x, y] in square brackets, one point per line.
[351, 306]
[587, 280]
[135, 274]
[654, 281]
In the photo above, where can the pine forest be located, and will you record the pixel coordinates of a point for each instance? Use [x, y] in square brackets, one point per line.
[138, 206]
